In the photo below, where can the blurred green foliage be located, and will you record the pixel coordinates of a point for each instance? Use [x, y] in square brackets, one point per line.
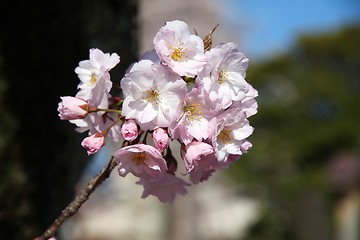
[309, 110]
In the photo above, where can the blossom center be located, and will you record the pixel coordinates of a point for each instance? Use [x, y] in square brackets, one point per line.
[151, 95]
[93, 79]
[139, 158]
[193, 111]
[225, 136]
[178, 54]
[223, 76]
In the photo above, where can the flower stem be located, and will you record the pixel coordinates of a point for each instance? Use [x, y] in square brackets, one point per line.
[145, 137]
[108, 129]
[82, 197]
[104, 110]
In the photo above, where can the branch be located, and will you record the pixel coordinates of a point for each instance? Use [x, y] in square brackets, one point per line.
[82, 197]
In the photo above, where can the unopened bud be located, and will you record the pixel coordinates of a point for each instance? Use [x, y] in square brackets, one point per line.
[71, 108]
[93, 143]
[161, 139]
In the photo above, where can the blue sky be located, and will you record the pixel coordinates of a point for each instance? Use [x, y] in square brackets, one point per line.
[270, 26]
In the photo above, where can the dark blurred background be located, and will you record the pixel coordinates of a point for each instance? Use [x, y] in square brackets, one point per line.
[41, 43]
[304, 167]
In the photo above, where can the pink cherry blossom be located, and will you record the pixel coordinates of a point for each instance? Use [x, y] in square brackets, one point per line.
[141, 160]
[129, 130]
[93, 143]
[193, 152]
[249, 104]
[71, 108]
[152, 94]
[175, 92]
[197, 109]
[200, 161]
[230, 129]
[164, 187]
[94, 75]
[224, 75]
[180, 50]
[161, 139]
[231, 158]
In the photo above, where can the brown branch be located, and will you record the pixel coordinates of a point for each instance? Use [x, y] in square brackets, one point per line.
[82, 197]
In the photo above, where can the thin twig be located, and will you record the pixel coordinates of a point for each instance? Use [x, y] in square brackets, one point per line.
[82, 197]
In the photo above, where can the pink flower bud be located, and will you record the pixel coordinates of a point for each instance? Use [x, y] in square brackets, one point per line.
[93, 143]
[161, 139]
[71, 108]
[129, 130]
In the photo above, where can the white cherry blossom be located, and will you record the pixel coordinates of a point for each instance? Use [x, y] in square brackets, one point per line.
[229, 131]
[94, 75]
[181, 51]
[224, 75]
[153, 94]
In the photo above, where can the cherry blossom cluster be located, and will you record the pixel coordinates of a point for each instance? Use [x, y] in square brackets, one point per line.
[178, 91]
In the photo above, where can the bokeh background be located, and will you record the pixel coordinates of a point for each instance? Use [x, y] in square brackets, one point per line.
[301, 179]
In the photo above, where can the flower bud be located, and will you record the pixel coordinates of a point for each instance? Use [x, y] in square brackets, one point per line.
[129, 130]
[161, 139]
[71, 108]
[93, 143]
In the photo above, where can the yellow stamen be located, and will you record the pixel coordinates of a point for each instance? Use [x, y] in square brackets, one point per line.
[139, 158]
[178, 54]
[193, 111]
[224, 136]
[93, 79]
[151, 95]
[223, 76]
